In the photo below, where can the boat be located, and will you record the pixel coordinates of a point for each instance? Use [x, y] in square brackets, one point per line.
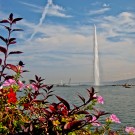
[63, 84]
[126, 85]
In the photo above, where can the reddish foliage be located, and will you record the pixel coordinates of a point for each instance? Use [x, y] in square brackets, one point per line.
[63, 109]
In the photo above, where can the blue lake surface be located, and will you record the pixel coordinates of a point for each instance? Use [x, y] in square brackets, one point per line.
[118, 100]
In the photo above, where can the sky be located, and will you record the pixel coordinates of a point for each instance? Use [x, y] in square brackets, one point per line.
[57, 40]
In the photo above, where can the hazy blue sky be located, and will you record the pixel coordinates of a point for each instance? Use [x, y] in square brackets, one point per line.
[58, 38]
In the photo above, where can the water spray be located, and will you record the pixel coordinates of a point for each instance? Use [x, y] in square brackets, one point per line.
[96, 59]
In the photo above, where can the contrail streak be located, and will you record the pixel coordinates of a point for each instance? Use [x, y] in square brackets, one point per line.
[41, 19]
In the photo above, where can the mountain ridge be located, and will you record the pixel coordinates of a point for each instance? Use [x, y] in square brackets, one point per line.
[125, 81]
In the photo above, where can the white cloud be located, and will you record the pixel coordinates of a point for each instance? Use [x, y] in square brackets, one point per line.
[33, 7]
[121, 26]
[106, 5]
[58, 11]
[100, 11]
[54, 10]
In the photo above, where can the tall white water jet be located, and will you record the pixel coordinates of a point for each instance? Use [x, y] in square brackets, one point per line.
[96, 60]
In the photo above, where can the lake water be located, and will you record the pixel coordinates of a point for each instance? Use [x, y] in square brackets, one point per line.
[118, 100]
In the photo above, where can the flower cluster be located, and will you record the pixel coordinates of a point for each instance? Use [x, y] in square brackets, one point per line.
[130, 130]
[12, 96]
[113, 118]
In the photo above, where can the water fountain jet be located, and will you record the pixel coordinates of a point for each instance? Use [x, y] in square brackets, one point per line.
[96, 60]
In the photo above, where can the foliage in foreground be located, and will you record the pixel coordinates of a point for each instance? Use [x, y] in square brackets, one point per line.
[32, 113]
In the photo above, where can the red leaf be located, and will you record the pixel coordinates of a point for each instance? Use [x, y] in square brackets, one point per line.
[12, 39]
[21, 63]
[17, 30]
[8, 77]
[42, 86]
[50, 91]
[49, 96]
[82, 112]
[2, 49]
[37, 79]
[4, 21]
[73, 125]
[11, 17]
[29, 96]
[91, 92]
[82, 98]
[49, 87]
[64, 102]
[52, 108]
[8, 28]
[17, 19]
[15, 52]
[3, 39]
[0, 61]
[32, 81]
[25, 71]
[12, 67]
[13, 42]
[48, 113]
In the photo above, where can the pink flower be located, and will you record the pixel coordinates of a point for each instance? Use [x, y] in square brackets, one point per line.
[1, 87]
[94, 122]
[21, 85]
[31, 86]
[130, 130]
[100, 100]
[9, 82]
[27, 86]
[34, 87]
[114, 118]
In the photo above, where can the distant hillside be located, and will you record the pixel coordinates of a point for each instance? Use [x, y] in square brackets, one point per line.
[127, 81]
[119, 82]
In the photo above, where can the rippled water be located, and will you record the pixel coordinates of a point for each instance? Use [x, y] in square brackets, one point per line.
[118, 100]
